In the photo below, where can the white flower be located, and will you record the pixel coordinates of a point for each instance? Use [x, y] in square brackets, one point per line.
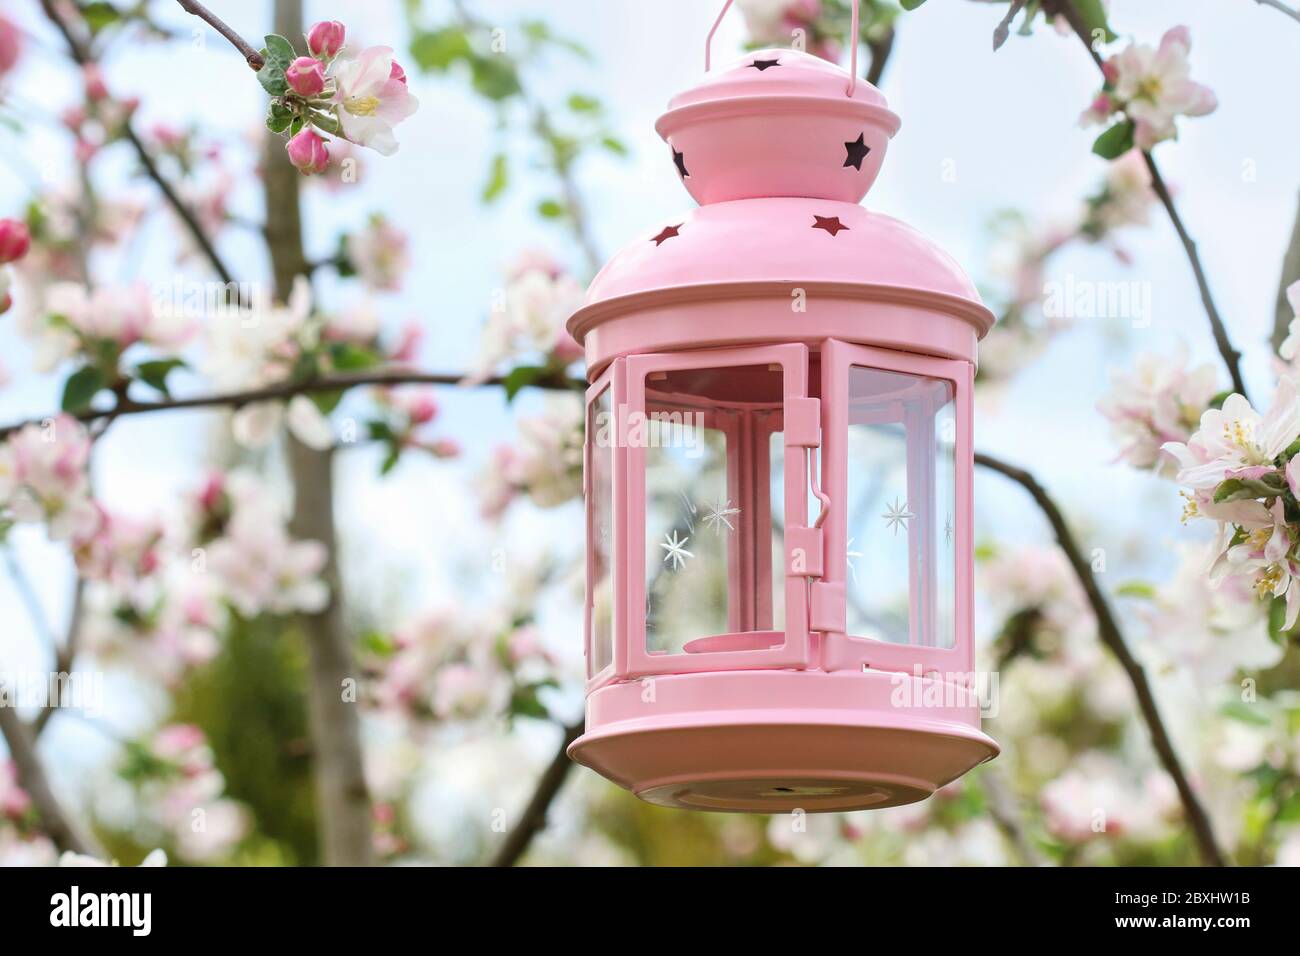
[43, 478]
[531, 315]
[1159, 401]
[1237, 437]
[1213, 632]
[379, 255]
[154, 859]
[547, 464]
[372, 98]
[1153, 88]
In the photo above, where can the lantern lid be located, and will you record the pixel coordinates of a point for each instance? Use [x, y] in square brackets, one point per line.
[779, 72]
[786, 243]
[778, 123]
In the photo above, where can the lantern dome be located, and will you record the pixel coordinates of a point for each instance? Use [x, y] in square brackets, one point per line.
[786, 240]
[778, 123]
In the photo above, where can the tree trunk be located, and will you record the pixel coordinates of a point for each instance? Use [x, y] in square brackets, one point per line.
[342, 799]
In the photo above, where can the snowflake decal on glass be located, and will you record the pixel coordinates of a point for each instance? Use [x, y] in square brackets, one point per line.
[896, 516]
[947, 530]
[675, 550]
[850, 554]
[719, 514]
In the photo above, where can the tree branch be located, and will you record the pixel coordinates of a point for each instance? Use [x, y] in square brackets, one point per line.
[1109, 631]
[81, 54]
[282, 391]
[251, 56]
[1231, 356]
[1290, 273]
[1281, 7]
[31, 777]
[533, 820]
[880, 50]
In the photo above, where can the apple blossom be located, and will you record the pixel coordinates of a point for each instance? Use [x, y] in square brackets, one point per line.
[43, 477]
[372, 99]
[1151, 87]
[379, 254]
[306, 76]
[1161, 400]
[1236, 468]
[531, 313]
[15, 240]
[546, 465]
[308, 152]
[1212, 633]
[775, 22]
[325, 39]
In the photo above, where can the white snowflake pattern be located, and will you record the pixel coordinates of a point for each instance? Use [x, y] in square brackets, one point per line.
[897, 516]
[675, 550]
[947, 530]
[850, 554]
[720, 514]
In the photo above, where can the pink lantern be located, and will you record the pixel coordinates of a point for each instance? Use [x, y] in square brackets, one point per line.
[778, 469]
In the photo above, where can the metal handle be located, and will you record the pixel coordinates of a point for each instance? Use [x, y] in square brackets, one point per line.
[853, 44]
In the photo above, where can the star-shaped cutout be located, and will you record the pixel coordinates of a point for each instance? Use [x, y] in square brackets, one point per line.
[762, 65]
[857, 152]
[668, 232]
[680, 162]
[831, 224]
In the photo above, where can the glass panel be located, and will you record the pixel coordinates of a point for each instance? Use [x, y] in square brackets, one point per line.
[901, 508]
[710, 509]
[600, 531]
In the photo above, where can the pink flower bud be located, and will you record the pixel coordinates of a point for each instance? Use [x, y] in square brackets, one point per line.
[308, 152]
[11, 45]
[306, 76]
[1110, 71]
[96, 89]
[326, 38]
[15, 240]
[397, 73]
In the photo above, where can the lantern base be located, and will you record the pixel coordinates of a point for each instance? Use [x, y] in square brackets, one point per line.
[777, 741]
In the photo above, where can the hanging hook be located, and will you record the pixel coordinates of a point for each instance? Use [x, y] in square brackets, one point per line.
[854, 42]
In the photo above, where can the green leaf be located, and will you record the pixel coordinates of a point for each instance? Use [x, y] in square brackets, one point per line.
[495, 77]
[439, 49]
[614, 145]
[278, 117]
[581, 103]
[1093, 14]
[550, 209]
[380, 431]
[154, 374]
[1115, 142]
[1246, 713]
[326, 402]
[349, 357]
[520, 378]
[910, 4]
[99, 15]
[81, 387]
[1277, 620]
[498, 178]
[391, 460]
[1248, 489]
[1137, 589]
[279, 53]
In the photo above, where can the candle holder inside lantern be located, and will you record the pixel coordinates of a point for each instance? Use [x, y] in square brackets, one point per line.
[778, 468]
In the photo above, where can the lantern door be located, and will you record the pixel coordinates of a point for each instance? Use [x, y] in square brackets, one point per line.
[898, 587]
[716, 445]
